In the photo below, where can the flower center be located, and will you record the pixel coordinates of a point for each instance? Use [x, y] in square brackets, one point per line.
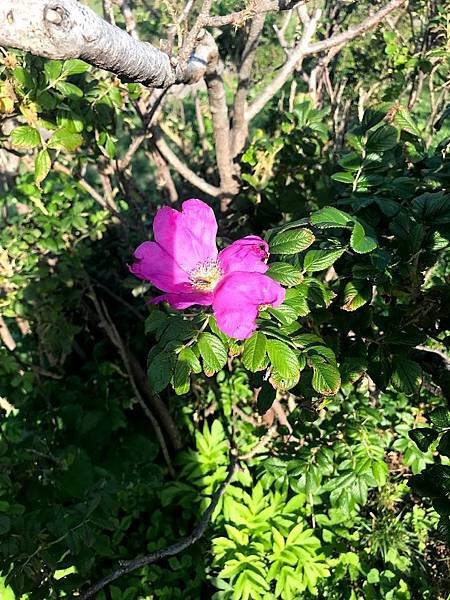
[205, 276]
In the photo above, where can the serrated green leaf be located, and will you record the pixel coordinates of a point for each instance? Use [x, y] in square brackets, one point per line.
[356, 293]
[41, 166]
[25, 136]
[63, 138]
[406, 375]
[343, 177]
[405, 121]
[160, 371]
[382, 139]
[285, 274]
[444, 444]
[212, 351]
[52, 70]
[360, 242]
[292, 241]
[188, 355]
[74, 66]
[329, 216]
[285, 314]
[283, 358]
[318, 260]
[326, 378]
[254, 352]
[440, 417]
[69, 89]
[181, 380]
[423, 437]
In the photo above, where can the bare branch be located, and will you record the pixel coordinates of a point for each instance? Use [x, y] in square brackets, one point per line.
[127, 566]
[221, 128]
[58, 167]
[5, 335]
[62, 29]
[295, 56]
[130, 21]
[182, 169]
[163, 177]
[255, 7]
[353, 32]
[240, 123]
[304, 48]
[108, 11]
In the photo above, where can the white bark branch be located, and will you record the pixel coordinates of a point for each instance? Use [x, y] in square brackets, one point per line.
[63, 29]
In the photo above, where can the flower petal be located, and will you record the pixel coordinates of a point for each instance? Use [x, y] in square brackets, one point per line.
[184, 299]
[237, 300]
[189, 236]
[248, 254]
[153, 264]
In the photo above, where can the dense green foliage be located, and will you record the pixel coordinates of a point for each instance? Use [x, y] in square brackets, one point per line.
[338, 405]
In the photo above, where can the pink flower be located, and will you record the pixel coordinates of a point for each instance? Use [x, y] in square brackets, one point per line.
[184, 263]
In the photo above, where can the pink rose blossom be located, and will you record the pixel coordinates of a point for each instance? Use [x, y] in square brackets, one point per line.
[184, 263]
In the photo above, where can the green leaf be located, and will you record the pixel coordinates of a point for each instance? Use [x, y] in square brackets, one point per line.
[326, 379]
[440, 417]
[69, 89]
[160, 371]
[52, 70]
[356, 293]
[285, 314]
[330, 217]
[41, 166]
[266, 398]
[213, 352]
[404, 120]
[182, 376]
[188, 355]
[283, 359]
[423, 437]
[343, 177]
[25, 137]
[318, 260]
[254, 352]
[296, 300]
[360, 242]
[74, 66]
[284, 383]
[406, 375]
[444, 444]
[292, 241]
[285, 274]
[63, 138]
[382, 139]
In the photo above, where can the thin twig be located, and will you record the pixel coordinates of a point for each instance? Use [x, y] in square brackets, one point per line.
[199, 530]
[115, 338]
[304, 48]
[182, 169]
[256, 7]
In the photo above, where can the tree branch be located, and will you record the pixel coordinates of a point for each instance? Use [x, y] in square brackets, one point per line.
[182, 169]
[240, 123]
[304, 48]
[62, 29]
[255, 7]
[295, 56]
[353, 32]
[128, 566]
[221, 129]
